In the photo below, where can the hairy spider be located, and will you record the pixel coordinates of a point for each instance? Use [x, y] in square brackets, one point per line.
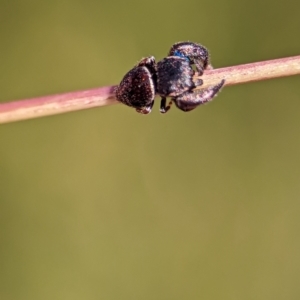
[170, 77]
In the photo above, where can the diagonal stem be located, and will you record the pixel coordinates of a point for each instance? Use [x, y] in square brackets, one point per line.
[263, 70]
[57, 104]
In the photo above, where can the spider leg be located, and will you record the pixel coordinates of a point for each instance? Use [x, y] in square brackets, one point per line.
[146, 109]
[199, 67]
[163, 105]
[190, 100]
[198, 82]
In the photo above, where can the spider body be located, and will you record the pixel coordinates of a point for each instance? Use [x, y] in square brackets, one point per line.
[170, 77]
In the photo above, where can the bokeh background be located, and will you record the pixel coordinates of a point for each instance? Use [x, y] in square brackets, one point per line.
[109, 204]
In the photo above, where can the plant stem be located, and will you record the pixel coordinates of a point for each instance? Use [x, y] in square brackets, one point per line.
[263, 70]
[57, 104]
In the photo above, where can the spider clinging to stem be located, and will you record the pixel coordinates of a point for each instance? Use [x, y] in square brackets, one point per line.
[170, 77]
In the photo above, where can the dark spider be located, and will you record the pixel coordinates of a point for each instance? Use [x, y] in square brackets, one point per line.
[170, 77]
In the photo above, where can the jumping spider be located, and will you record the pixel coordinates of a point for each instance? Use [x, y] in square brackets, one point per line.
[170, 77]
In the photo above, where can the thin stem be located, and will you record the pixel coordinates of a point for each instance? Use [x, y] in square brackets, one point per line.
[57, 104]
[263, 70]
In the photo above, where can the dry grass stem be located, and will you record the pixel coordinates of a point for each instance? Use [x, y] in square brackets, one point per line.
[253, 72]
[57, 104]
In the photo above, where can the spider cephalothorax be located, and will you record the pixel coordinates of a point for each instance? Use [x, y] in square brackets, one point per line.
[171, 77]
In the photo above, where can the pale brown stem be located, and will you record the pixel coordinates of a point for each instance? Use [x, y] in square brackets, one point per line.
[252, 72]
[57, 104]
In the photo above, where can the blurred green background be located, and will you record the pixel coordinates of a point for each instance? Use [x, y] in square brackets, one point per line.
[109, 204]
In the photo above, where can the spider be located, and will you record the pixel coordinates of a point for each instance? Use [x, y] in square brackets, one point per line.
[170, 77]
